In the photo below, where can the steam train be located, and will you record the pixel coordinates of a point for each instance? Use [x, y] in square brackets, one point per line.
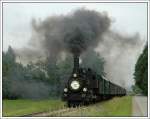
[86, 86]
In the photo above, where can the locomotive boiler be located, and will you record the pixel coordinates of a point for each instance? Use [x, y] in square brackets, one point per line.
[85, 86]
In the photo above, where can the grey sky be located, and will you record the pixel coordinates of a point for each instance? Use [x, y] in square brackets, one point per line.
[127, 17]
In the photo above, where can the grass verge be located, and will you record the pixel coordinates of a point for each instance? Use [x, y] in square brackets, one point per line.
[24, 107]
[118, 106]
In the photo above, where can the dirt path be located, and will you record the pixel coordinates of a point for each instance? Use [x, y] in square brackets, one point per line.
[139, 106]
[49, 113]
[55, 113]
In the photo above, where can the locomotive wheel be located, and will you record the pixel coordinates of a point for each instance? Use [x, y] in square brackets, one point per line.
[73, 104]
[87, 103]
[68, 104]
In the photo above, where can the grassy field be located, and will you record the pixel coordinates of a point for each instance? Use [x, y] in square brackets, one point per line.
[115, 107]
[23, 107]
[118, 106]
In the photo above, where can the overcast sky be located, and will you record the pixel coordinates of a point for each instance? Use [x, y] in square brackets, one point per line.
[127, 17]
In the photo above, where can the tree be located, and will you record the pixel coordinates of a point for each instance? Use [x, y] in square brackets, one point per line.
[44, 78]
[22, 81]
[65, 68]
[141, 71]
[8, 61]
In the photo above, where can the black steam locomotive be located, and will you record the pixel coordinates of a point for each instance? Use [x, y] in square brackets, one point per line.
[85, 86]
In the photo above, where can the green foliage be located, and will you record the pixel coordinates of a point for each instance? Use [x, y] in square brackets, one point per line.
[8, 61]
[136, 89]
[8, 71]
[35, 80]
[24, 107]
[22, 81]
[42, 79]
[141, 71]
[64, 69]
[35, 71]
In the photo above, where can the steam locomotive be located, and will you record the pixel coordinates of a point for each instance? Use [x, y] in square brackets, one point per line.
[86, 86]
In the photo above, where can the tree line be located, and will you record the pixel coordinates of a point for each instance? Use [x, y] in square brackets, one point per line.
[41, 79]
[141, 73]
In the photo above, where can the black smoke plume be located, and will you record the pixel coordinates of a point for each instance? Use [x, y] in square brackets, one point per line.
[75, 32]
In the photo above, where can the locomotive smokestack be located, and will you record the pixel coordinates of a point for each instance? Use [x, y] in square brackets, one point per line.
[76, 63]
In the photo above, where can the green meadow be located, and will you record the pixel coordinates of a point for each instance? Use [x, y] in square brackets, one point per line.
[24, 107]
[118, 106]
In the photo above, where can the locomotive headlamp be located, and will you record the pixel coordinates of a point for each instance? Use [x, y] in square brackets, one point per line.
[74, 75]
[84, 89]
[75, 85]
[65, 90]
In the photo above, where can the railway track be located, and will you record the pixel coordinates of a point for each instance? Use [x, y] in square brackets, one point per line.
[55, 113]
[59, 112]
